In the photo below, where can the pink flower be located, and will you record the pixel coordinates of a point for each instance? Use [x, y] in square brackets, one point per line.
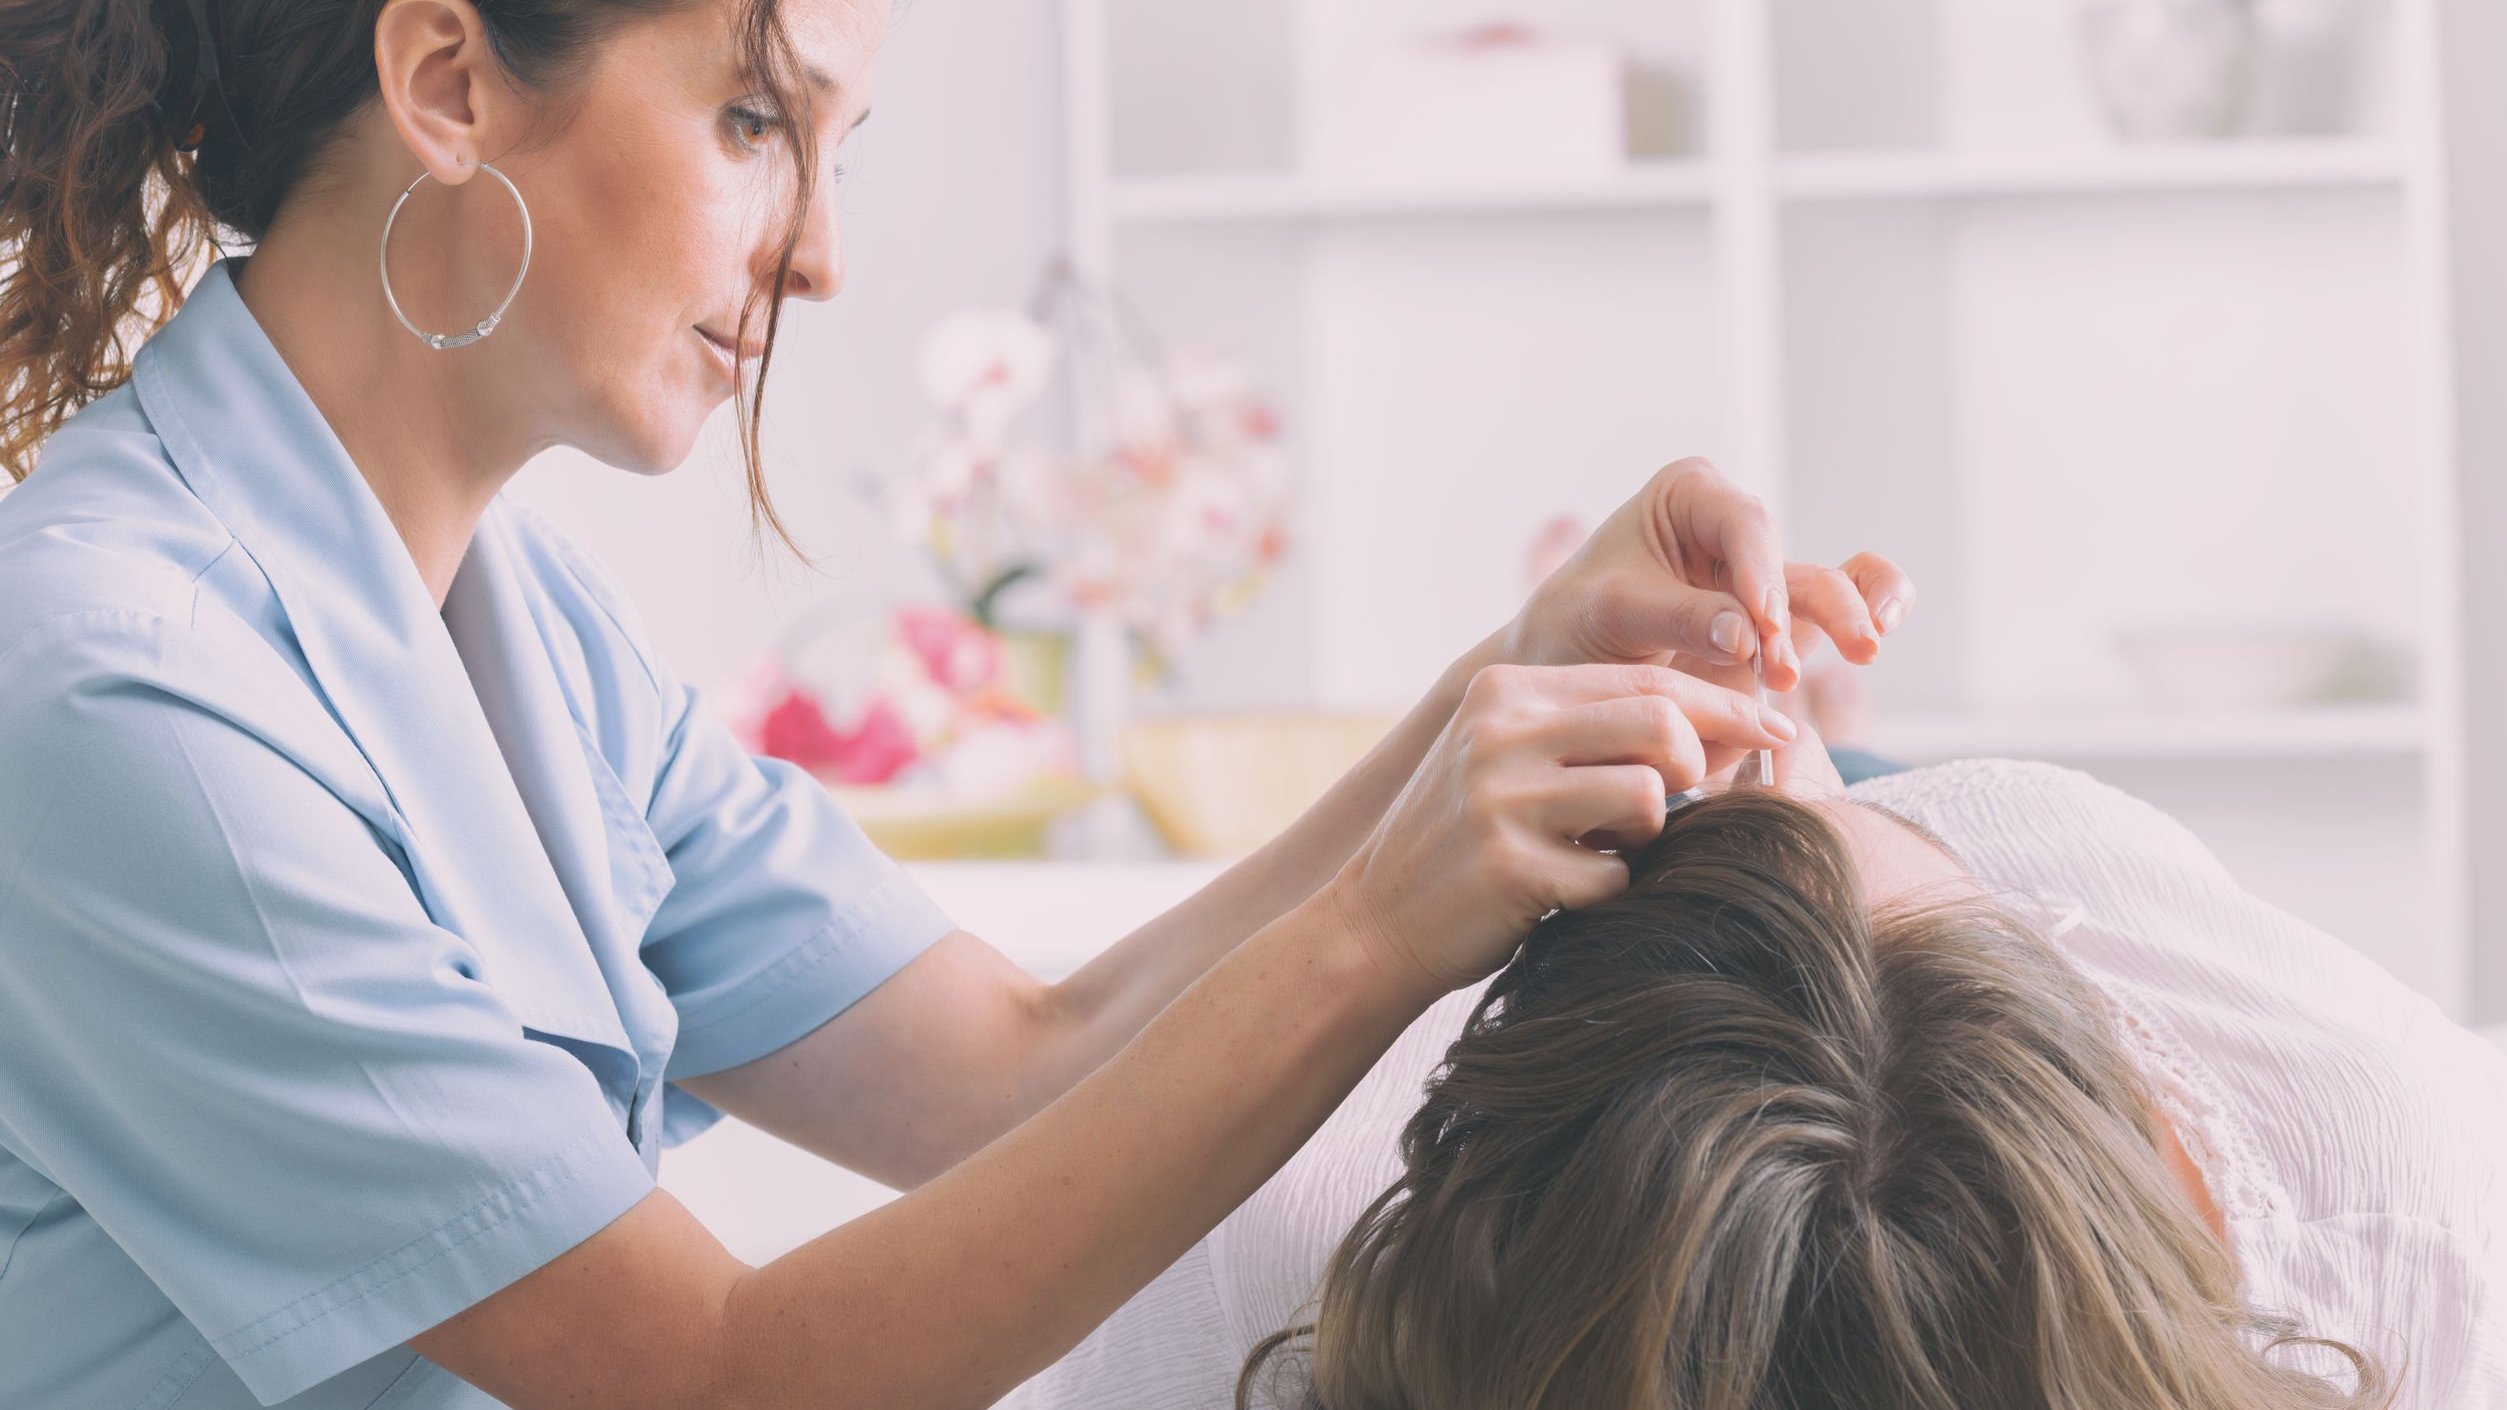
[745, 702]
[1149, 462]
[955, 650]
[995, 702]
[796, 729]
[876, 749]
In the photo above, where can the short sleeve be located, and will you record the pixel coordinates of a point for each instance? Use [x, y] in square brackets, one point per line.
[230, 1031]
[783, 912]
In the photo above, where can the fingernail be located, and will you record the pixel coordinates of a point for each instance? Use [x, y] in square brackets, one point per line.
[1889, 613]
[1777, 723]
[1728, 631]
[1774, 610]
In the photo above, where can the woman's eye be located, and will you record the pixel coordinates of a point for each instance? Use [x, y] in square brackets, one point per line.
[751, 125]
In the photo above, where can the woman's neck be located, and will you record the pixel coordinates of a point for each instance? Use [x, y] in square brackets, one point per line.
[2188, 1175]
[407, 414]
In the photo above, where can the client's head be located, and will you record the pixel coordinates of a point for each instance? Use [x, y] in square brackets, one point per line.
[1739, 1139]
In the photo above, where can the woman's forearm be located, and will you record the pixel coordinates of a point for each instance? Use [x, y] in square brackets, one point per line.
[1010, 1044]
[1097, 1010]
[952, 1294]
[1310, 851]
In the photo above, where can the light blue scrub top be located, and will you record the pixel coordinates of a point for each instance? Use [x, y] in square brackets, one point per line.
[347, 950]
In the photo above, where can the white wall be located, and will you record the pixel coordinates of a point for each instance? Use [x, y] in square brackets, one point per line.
[952, 195]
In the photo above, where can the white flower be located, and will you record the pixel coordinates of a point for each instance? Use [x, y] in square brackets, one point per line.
[1162, 515]
[927, 707]
[997, 758]
[987, 365]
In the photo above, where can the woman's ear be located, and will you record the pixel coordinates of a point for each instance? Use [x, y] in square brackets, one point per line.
[441, 87]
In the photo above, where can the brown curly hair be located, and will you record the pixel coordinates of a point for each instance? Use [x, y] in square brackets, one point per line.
[1733, 1141]
[118, 169]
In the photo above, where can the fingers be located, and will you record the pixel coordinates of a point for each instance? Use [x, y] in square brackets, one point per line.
[1711, 711]
[1834, 603]
[1854, 604]
[1635, 729]
[1583, 877]
[1887, 588]
[1700, 622]
[1621, 805]
[1734, 527]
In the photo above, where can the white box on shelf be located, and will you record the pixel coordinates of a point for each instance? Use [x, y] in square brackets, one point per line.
[1446, 109]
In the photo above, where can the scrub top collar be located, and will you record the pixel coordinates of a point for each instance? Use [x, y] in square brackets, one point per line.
[461, 714]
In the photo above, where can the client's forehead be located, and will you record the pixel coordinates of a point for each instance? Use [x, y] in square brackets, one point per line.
[1890, 851]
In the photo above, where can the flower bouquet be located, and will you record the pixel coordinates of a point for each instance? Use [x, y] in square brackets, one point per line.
[1156, 492]
[909, 717]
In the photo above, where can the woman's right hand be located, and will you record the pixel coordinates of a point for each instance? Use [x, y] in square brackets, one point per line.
[1503, 821]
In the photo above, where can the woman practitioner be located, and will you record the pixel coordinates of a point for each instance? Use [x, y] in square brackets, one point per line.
[375, 904]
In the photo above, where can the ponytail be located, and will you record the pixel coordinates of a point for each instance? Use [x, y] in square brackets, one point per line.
[99, 216]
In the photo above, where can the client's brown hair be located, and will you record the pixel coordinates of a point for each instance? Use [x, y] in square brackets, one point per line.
[1733, 1141]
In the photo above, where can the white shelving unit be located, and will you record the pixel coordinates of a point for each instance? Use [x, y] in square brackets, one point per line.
[1153, 200]
[2257, 165]
[2278, 736]
[1901, 282]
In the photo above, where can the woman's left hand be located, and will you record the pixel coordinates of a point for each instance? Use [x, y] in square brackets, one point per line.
[1692, 566]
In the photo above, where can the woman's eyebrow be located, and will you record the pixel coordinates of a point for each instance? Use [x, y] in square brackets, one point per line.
[819, 80]
[827, 85]
[1930, 837]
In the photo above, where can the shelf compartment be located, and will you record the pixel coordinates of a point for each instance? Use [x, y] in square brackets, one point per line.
[2249, 165]
[1286, 196]
[2297, 732]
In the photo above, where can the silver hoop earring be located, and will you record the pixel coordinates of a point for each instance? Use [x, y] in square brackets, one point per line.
[485, 325]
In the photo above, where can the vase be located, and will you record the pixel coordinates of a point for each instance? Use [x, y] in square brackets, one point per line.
[2317, 65]
[1101, 672]
[2169, 70]
[1036, 665]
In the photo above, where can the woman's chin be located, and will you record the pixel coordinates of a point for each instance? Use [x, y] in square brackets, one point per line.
[660, 445]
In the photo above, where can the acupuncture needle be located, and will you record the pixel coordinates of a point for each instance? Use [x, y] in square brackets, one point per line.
[1758, 692]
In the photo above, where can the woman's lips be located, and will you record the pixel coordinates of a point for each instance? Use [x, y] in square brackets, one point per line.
[721, 352]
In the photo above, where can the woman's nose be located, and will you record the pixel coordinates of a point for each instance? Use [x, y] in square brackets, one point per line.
[818, 256]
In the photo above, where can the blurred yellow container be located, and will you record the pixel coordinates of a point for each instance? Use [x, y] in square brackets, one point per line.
[1221, 785]
[1034, 664]
[915, 825]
